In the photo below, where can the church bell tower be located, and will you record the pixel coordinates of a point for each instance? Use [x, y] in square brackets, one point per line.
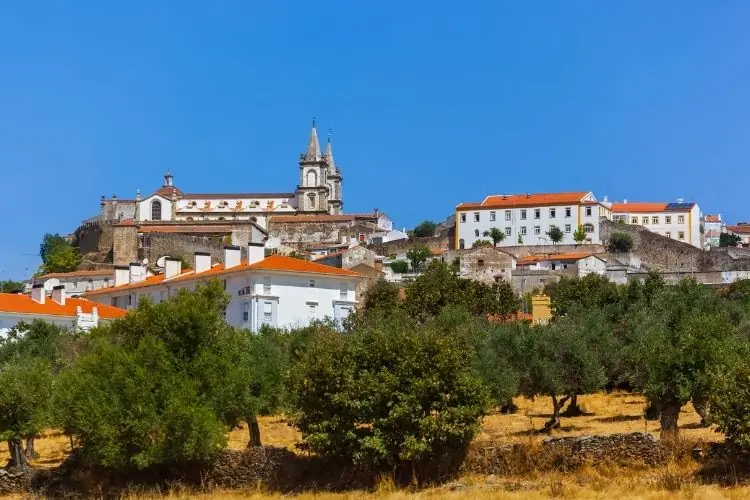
[313, 191]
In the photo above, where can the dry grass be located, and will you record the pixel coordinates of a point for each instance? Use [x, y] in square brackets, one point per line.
[606, 414]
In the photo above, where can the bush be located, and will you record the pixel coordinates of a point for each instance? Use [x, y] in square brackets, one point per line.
[399, 266]
[391, 393]
[620, 243]
[425, 229]
[730, 403]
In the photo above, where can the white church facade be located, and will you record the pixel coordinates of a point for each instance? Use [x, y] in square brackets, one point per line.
[319, 191]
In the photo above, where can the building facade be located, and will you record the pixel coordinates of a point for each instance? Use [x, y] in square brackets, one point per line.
[77, 282]
[577, 264]
[679, 220]
[526, 219]
[319, 191]
[56, 308]
[277, 291]
[712, 229]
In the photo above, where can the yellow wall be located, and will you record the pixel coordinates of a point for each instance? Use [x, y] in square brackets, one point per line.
[541, 311]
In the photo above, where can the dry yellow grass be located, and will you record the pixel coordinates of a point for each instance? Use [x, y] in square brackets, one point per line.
[606, 414]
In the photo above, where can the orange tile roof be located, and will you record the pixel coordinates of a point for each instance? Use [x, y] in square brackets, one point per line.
[73, 274]
[312, 218]
[638, 207]
[23, 304]
[517, 316]
[279, 263]
[527, 200]
[533, 259]
[713, 218]
[739, 229]
[437, 251]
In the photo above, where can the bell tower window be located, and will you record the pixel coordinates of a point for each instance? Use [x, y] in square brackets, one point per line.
[312, 178]
[156, 210]
[311, 201]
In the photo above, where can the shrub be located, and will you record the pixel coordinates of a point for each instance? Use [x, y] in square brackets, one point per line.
[730, 403]
[620, 242]
[425, 229]
[399, 266]
[391, 393]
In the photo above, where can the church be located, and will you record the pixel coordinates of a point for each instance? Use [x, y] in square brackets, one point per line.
[317, 193]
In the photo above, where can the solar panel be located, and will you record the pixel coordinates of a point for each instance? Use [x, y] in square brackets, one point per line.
[679, 206]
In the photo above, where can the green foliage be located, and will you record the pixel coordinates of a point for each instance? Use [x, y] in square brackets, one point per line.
[590, 291]
[166, 382]
[730, 400]
[555, 234]
[579, 235]
[620, 242]
[390, 393]
[495, 234]
[520, 239]
[417, 256]
[58, 256]
[381, 296]
[399, 266]
[25, 393]
[10, 286]
[439, 287]
[738, 291]
[425, 229]
[729, 240]
[481, 243]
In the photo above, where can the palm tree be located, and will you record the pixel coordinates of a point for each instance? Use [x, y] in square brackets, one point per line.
[495, 235]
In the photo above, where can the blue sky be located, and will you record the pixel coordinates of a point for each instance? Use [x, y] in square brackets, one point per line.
[431, 103]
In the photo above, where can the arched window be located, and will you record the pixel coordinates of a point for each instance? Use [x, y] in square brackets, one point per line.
[461, 244]
[476, 233]
[588, 228]
[312, 178]
[189, 218]
[156, 210]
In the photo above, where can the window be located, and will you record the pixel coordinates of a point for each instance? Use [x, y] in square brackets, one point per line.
[680, 219]
[480, 262]
[476, 233]
[507, 231]
[461, 244]
[266, 285]
[537, 213]
[362, 237]
[90, 284]
[644, 221]
[476, 216]
[523, 230]
[106, 281]
[552, 213]
[343, 291]
[667, 219]
[537, 230]
[588, 211]
[312, 283]
[492, 216]
[654, 220]
[668, 234]
[523, 214]
[567, 228]
[588, 228]
[507, 215]
[634, 220]
[568, 211]
[463, 217]
[156, 210]
[225, 284]
[311, 309]
[680, 235]
[130, 300]
[268, 312]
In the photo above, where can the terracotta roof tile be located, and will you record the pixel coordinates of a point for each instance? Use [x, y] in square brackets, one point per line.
[528, 200]
[234, 196]
[739, 229]
[638, 207]
[713, 218]
[24, 304]
[73, 274]
[312, 218]
[533, 259]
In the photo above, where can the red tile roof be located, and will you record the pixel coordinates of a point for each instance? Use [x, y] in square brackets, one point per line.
[24, 304]
[713, 218]
[739, 229]
[533, 259]
[312, 218]
[527, 200]
[638, 207]
[279, 263]
[234, 196]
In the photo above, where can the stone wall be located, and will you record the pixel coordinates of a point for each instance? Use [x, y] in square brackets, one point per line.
[125, 245]
[402, 246]
[293, 233]
[157, 245]
[520, 251]
[486, 264]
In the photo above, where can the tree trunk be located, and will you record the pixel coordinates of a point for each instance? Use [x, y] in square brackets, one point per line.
[670, 411]
[17, 456]
[254, 430]
[557, 405]
[700, 402]
[573, 410]
[30, 452]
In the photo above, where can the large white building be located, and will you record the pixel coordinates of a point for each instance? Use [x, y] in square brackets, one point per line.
[57, 308]
[680, 221]
[276, 290]
[319, 191]
[526, 219]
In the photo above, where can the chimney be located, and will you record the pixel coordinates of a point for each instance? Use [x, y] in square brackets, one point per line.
[122, 275]
[202, 262]
[38, 294]
[606, 198]
[137, 273]
[625, 200]
[256, 252]
[172, 267]
[528, 195]
[58, 294]
[231, 256]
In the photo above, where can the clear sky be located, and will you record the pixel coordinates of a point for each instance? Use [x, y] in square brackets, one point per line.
[431, 103]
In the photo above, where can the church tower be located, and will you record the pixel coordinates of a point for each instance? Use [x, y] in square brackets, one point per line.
[312, 191]
[335, 199]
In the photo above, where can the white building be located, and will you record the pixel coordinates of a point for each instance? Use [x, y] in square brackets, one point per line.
[57, 309]
[742, 229]
[319, 190]
[573, 263]
[712, 229]
[77, 282]
[680, 220]
[277, 290]
[526, 219]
